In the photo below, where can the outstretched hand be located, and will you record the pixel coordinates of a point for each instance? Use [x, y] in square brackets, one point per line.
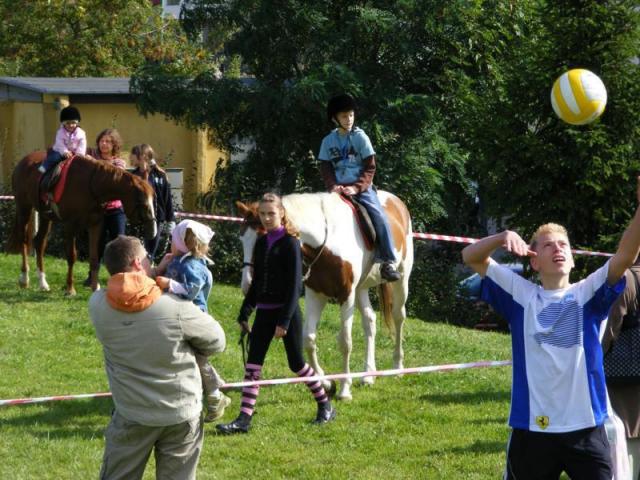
[513, 243]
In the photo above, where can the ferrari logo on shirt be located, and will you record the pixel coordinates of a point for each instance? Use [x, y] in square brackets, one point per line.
[542, 421]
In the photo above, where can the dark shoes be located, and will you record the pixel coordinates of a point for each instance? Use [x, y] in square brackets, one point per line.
[239, 425]
[389, 272]
[325, 414]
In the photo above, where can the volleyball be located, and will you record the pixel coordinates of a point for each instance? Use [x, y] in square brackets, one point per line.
[578, 96]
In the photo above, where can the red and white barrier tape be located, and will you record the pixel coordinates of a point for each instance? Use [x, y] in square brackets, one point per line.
[210, 217]
[282, 381]
[451, 238]
[375, 373]
[422, 236]
[24, 401]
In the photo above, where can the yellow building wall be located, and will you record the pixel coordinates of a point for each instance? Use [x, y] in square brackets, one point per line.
[22, 130]
[25, 127]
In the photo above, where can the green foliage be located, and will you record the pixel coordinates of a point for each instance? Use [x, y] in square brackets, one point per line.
[441, 425]
[88, 38]
[454, 95]
[531, 166]
[297, 56]
[390, 55]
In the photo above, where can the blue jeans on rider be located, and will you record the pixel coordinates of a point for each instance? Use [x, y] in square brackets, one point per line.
[369, 198]
[53, 158]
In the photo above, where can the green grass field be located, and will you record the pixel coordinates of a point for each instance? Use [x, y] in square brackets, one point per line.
[447, 425]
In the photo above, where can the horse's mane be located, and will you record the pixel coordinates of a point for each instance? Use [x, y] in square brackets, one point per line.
[303, 202]
[105, 167]
[106, 170]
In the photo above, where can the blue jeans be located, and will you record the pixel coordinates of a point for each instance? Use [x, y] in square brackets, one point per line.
[369, 198]
[114, 224]
[53, 158]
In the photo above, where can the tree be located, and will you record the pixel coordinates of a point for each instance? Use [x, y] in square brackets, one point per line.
[448, 91]
[88, 38]
[298, 55]
[532, 167]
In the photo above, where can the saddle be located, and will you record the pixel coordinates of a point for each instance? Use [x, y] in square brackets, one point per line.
[363, 220]
[52, 183]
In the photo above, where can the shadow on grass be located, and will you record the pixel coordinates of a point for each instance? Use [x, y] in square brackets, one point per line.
[85, 419]
[13, 294]
[471, 397]
[479, 447]
[487, 421]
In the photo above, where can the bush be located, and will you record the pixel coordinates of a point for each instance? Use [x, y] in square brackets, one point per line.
[433, 286]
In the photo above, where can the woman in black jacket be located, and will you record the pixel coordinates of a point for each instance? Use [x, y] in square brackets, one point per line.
[143, 158]
[274, 291]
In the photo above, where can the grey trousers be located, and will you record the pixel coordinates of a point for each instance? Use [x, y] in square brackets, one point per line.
[128, 446]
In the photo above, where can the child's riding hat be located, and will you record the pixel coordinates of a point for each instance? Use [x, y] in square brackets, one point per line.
[340, 103]
[69, 113]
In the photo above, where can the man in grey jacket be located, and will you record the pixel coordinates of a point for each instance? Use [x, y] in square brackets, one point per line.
[149, 339]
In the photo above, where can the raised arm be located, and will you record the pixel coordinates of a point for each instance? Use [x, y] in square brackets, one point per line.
[477, 254]
[628, 247]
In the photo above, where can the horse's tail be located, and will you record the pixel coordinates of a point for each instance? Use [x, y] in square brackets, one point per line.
[386, 304]
[19, 233]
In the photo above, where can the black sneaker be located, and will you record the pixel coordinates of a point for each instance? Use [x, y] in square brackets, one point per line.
[239, 425]
[389, 272]
[325, 414]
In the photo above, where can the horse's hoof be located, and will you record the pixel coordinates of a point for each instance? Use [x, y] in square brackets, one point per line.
[70, 293]
[331, 389]
[344, 394]
[344, 397]
[368, 381]
[23, 284]
[45, 288]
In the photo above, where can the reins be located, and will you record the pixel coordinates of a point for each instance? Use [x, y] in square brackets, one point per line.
[324, 244]
[244, 344]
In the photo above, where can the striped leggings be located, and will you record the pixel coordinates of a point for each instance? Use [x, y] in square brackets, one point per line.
[262, 331]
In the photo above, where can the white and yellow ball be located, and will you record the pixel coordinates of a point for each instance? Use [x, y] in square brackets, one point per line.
[578, 96]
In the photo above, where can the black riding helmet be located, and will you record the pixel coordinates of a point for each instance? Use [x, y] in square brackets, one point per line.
[340, 103]
[69, 113]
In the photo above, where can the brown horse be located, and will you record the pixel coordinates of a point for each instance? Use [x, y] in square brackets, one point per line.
[89, 184]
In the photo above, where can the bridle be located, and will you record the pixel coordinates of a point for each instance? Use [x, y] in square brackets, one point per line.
[319, 254]
[260, 231]
[324, 244]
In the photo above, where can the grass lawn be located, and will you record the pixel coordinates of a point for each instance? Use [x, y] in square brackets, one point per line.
[447, 425]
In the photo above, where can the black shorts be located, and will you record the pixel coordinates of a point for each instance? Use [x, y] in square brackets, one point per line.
[583, 455]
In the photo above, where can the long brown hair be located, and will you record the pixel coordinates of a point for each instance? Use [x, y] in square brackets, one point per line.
[115, 137]
[271, 197]
[146, 153]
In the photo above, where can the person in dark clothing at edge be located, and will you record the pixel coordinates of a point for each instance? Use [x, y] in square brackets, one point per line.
[143, 159]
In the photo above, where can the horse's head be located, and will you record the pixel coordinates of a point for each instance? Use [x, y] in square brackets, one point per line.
[141, 211]
[250, 230]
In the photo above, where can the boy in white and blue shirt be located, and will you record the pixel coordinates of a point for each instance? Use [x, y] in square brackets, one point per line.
[558, 404]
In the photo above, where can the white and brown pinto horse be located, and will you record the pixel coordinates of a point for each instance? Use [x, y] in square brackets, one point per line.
[340, 267]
